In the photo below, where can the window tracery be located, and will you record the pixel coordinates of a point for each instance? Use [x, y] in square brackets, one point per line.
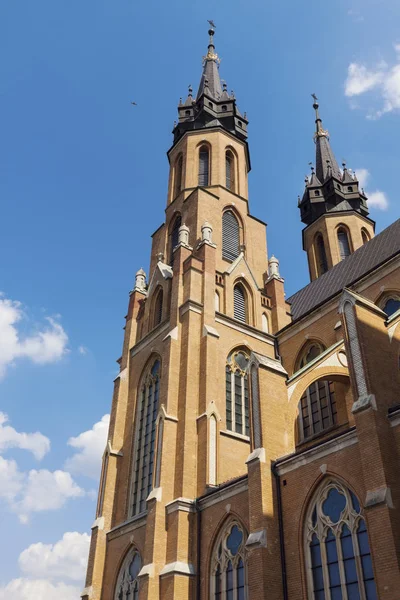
[390, 303]
[337, 550]
[237, 393]
[311, 351]
[228, 568]
[127, 587]
[148, 400]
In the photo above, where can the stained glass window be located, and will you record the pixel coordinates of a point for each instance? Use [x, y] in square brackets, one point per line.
[228, 567]
[338, 553]
[127, 587]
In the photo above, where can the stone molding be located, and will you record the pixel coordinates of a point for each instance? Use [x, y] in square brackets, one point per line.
[178, 568]
[209, 330]
[87, 592]
[129, 525]
[173, 334]
[257, 539]
[224, 494]
[364, 403]
[257, 455]
[260, 360]
[147, 570]
[195, 307]
[294, 462]
[149, 338]
[155, 494]
[181, 504]
[381, 495]
[243, 328]
[99, 523]
[122, 375]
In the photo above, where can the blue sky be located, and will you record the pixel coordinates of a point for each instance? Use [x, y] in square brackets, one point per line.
[83, 182]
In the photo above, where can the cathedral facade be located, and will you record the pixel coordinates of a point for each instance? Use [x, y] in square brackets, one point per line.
[254, 441]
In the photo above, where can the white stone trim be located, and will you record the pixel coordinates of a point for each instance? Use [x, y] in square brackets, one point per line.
[233, 434]
[181, 504]
[222, 495]
[394, 418]
[192, 306]
[260, 360]
[122, 375]
[179, 568]
[257, 454]
[329, 447]
[257, 539]
[209, 330]
[129, 525]
[173, 334]
[364, 403]
[324, 357]
[99, 523]
[155, 494]
[147, 570]
[87, 591]
[381, 495]
[264, 337]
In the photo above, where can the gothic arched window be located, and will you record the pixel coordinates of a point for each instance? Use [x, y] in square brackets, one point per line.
[390, 303]
[317, 409]
[337, 550]
[237, 393]
[174, 237]
[321, 255]
[146, 416]
[230, 170]
[228, 564]
[344, 245]
[178, 175]
[204, 166]
[240, 303]
[365, 236]
[158, 308]
[230, 236]
[311, 351]
[127, 587]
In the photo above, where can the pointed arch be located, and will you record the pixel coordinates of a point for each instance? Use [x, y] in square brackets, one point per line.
[265, 322]
[240, 302]
[127, 586]
[230, 235]
[145, 432]
[158, 305]
[178, 170]
[228, 564]
[343, 237]
[389, 301]
[336, 546]
[173, 237]
[204, 165]
[237, 391]
[230, 169]
[322, 262]
[365, 236]
[309, 350]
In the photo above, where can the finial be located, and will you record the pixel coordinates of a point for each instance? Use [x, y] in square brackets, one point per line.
[318, 121]
[245, 114]
[315, 105]
[224, 86]
[180, 100]
[306, 180]
[344, 165]
[232, 93]
[190, 89]
[211, 54]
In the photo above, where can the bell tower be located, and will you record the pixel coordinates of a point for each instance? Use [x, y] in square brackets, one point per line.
[333, 208]
[180, 418]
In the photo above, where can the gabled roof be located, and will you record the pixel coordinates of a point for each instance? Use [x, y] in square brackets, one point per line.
[370, 256]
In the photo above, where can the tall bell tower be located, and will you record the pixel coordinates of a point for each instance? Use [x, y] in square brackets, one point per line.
[333, 208]
[179, 423]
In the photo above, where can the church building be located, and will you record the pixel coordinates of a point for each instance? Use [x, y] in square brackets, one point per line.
[254, 442]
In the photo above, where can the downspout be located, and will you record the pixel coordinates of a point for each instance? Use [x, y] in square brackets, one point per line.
[198, 543]
[281, 532]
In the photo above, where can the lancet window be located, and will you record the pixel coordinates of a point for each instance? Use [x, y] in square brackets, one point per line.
[228, 566]
[146, 415]
[321, 255]
[344, 245]
[390, 304]
[230, 236]
[127, 587]
[237, 393]
[230, 170]
[204, 166]
[174, 237]
[178, 175]
[338, 557]
[158, 308]
[240, 303]
[317, 409]
[311, 351]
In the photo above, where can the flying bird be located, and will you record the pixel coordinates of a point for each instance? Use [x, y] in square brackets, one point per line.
[211, 22]
[134, 103]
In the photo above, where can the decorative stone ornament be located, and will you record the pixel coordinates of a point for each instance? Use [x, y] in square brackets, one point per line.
[273, 265]
[160, 257]
[140, 282]
[206, 232]
[183, 235]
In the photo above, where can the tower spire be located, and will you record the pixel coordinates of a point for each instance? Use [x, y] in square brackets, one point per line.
[325, 161]
[210, 77]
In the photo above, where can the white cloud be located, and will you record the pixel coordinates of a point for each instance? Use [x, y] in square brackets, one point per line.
[91, 446]
[82, 350]
[66, 559]
[36, 443]
[35, 491]
[383, 78]
[377, 198]
[38, 589]
[44, 346]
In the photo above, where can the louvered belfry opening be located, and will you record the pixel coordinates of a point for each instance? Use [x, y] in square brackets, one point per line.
[344, 246]
[174, 237]
[239, 303]
[158, 308]
[230, 236]
[230, 170]
[204, 166]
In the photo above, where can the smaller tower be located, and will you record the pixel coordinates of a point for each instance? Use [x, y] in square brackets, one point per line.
[333, 208]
